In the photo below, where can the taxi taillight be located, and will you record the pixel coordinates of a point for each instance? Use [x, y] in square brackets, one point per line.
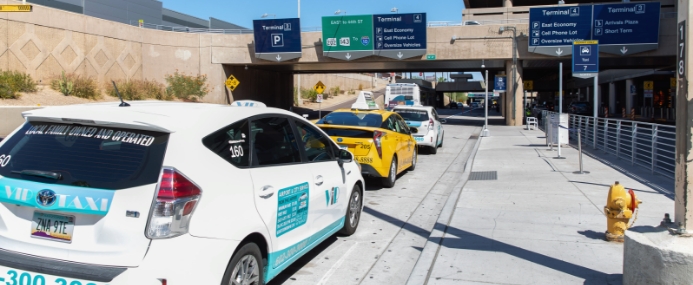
[430, 124]
[175, 201]
[377, 140]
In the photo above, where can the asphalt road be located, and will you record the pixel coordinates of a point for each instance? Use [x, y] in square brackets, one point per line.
[395, 223]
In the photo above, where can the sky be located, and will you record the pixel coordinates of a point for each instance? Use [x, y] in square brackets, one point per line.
[244, 12]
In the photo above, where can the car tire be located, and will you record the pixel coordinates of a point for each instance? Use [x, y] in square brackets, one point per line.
[442, 138]
[353, 212]
[434, 149]
[413, 160]
[389, 181]
[250, 257]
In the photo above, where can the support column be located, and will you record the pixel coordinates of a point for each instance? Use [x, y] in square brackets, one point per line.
[684, 119]
[518, 88]
[612, 98]
[599, 99]
[630, 94]
[653, 255]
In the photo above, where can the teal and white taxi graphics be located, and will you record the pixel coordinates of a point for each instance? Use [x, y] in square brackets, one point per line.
[109, 194]
[429, 125]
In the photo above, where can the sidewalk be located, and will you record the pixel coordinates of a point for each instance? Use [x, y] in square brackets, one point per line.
[538, 223]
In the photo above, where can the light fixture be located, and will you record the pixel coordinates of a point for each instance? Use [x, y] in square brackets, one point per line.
[394, 10]
[265, 15]
[339, 12]
[561, 2]
[246, 67]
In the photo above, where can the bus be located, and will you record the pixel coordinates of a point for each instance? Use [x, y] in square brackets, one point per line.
[409, 94]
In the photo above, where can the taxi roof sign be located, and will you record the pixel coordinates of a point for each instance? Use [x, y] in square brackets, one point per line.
[248, 103]
[365, 102]
[319, 87]
[16, 8]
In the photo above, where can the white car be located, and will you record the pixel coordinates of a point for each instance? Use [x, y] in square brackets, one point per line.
[168, 193]
[429, 125]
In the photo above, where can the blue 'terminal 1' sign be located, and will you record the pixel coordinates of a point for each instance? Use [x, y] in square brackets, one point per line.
[585, 59]
[277, 39]
[500, 84]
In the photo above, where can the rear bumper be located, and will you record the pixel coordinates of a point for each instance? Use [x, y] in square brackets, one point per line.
[171, 259]
[426, 140]
[368, 170]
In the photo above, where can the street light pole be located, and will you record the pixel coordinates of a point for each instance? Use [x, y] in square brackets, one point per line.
[485, 132]
[298, 90]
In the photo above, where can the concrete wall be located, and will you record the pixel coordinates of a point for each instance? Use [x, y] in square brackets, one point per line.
[11, 118]
[345, 82]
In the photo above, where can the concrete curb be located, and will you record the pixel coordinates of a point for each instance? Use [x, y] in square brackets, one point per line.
[424, 265]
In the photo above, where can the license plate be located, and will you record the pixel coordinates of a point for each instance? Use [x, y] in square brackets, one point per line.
[21, 277]
[364, 159]
[343, 146]
[418, 139]
[52, 227]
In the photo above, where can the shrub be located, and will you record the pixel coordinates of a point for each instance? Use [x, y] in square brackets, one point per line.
[75, 85]
[360, 86]
[187, 87]
[309, 94]
[335, 91]
[139, 90]
[295, 96]
[12, 82]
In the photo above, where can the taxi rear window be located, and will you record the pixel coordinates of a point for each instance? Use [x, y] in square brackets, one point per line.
[412, 115]
[352, 119]
[80, 155]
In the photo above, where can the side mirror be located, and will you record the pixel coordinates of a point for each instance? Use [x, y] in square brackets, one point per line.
[414, 130]
[344, 156]
[443, 121]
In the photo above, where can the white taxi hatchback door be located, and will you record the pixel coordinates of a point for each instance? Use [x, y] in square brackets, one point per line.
[329, 178]
[282, 186]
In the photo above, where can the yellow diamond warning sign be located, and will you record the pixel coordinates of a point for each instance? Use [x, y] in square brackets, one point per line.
[319, 87]
[232, 82]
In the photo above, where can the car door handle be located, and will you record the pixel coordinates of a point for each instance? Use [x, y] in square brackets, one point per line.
[267, 191]
[318, 180]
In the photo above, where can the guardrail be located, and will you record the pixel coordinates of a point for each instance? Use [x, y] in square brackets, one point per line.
[652, 146]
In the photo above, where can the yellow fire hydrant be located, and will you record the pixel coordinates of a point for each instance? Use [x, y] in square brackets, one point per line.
[619, 208]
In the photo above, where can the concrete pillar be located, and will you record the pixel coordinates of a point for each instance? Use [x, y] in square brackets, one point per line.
[612, 98]
[684, 120]
[515, 120]
[599, 98]
[652, 255]
[630, 95]
[588, 97]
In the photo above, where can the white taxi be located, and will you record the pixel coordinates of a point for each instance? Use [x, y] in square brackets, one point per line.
[426, 121]
[167, 193]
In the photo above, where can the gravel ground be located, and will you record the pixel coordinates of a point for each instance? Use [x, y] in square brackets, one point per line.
[45, 96]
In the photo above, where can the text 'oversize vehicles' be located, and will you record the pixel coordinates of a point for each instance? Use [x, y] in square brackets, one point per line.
[100, 194]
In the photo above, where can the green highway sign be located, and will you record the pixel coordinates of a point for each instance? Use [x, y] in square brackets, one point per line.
[430, 56]
[347, 37]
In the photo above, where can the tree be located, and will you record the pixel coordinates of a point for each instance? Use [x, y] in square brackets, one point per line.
[442, 79]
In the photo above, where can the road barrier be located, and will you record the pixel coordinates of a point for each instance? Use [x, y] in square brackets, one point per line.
[652, 146]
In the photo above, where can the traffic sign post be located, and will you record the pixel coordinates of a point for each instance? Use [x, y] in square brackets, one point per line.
[232, 82]
[319, 88]
[585, 59]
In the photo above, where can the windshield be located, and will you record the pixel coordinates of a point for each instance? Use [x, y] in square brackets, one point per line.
[413, 115]
[87, 156]
[352, 119]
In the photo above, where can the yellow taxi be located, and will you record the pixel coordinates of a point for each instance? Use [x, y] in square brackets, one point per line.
[379, 140]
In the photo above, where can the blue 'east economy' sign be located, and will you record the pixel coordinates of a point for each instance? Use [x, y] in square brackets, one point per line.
[559, 26]
[277, 39]
[626, 23]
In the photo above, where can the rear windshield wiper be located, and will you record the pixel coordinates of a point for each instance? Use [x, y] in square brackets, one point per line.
[40, 173]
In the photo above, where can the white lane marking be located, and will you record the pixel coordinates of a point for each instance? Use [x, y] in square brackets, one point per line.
[337, 264]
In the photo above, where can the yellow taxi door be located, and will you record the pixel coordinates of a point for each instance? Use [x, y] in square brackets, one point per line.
[407, 142]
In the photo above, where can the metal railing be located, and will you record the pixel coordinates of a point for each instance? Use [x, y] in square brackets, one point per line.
[652, 146]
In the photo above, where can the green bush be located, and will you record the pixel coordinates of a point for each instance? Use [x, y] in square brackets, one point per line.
[360, 86]
[335, 91]
[186, 87]
[75, 85]
[139, 90]
[309, 94]
[295, 96]
[12, 82]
